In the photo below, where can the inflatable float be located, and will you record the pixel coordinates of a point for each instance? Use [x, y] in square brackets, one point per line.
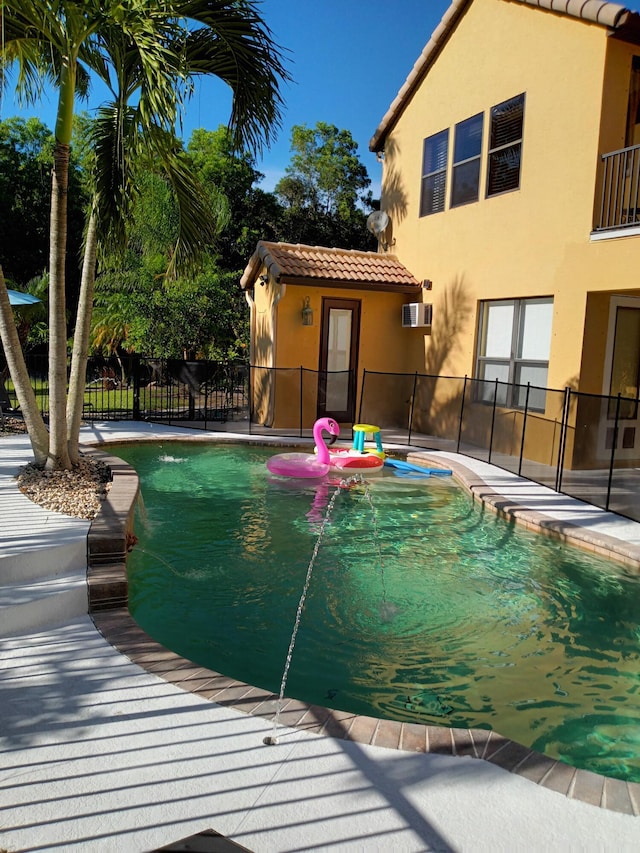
[306, 465]
[403, 466]
[349, 460]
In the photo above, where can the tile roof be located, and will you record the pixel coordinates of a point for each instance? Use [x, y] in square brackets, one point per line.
[297, 264]
[606, 14]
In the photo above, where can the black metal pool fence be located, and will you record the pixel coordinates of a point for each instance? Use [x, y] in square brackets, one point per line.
[583, 445]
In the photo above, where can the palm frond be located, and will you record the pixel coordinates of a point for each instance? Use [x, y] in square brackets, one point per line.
[232, 41]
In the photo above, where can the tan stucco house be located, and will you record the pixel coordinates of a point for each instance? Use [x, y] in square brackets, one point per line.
[319, 317]
[511, 174]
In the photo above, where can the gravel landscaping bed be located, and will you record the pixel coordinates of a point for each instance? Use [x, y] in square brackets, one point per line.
[78, 492]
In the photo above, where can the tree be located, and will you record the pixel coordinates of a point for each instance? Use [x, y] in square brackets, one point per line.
[61, 40]
[139, 308]
[324, 192]
[252, 213]
[26, 155]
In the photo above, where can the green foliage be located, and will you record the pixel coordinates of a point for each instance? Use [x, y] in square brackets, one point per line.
[139, 308]
[252, 214]
[324, 192]
[203, 313]
[26, 152]
[325, 172]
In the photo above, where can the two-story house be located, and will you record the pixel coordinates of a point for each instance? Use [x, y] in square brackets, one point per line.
[511, 175]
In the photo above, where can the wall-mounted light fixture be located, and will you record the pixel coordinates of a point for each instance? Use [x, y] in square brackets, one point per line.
[307, 313]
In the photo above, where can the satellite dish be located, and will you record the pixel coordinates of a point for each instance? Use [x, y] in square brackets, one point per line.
[377, 222]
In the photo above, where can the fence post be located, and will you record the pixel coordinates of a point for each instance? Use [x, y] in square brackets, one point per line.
[563, 437]
[136, 388]
[464, 392]
[300, 412]
[493, 420]
[206, 403]
[412, 403]
[251, 378]
[524, 426]
[614, 443]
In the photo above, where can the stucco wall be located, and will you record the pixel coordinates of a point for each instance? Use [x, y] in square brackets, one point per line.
[384, 345]
[534, 241]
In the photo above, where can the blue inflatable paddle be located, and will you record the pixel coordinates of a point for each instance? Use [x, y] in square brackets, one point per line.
[401, 465]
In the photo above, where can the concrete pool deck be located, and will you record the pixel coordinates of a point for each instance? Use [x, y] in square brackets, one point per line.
[96, 753]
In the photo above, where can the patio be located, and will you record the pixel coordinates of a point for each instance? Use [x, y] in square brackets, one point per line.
[100, 754]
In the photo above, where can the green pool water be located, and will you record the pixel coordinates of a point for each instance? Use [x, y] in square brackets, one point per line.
[422, 607]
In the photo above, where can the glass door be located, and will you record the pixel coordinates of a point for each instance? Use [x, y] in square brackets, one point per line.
[339, 336]
[622, 376]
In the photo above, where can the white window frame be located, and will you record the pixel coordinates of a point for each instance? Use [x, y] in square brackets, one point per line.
[510, 394]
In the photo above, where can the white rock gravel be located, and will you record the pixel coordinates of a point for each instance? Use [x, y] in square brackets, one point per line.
[78, 492]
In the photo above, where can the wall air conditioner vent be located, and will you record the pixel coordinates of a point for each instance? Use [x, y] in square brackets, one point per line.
[416, 314]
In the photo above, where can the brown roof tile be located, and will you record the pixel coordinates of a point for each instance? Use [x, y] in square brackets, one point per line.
[298, 264]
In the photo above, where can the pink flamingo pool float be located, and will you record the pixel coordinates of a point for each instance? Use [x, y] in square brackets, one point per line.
[324, 461]
[306, 465]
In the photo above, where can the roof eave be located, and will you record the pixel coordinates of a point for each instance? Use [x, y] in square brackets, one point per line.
[387, 287]
[618, 19]
[417, 73]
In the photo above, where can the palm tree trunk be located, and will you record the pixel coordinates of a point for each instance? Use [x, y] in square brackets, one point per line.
[78, 376]
[18, 369]
[58, 452]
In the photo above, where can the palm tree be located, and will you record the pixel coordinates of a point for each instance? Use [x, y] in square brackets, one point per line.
[63, 40]
[118, 142]
[20, 375]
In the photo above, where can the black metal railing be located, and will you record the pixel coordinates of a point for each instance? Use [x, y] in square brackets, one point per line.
[620, 198]
[201, 393]
[583, 445]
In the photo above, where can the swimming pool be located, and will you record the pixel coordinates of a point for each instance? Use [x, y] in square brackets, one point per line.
[465, 621]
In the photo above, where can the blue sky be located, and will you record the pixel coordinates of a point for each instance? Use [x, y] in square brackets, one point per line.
[348, 59]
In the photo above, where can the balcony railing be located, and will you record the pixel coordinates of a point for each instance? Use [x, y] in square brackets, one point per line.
[620, 202]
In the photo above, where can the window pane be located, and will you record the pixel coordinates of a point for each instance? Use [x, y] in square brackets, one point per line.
[498, 330]
[337, 391]
[339, 343]
[492, 370]
[536, 376]
[433, 193]
[434, 173]
[434, 157]
[466, 180]
[505, 146]
[534, 334]
[506, 122]
[468, 140]
[338, 355]
[489, 372]
[504, 170]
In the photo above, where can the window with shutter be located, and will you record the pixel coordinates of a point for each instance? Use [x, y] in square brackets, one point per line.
[467, 152]
[505, 146]
[434, 173]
